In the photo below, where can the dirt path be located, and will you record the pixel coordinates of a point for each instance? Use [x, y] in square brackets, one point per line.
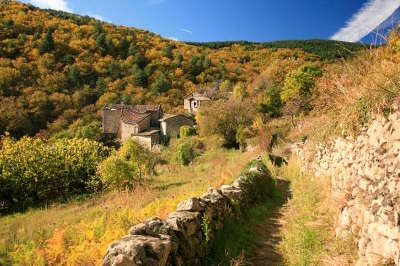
[267, 252]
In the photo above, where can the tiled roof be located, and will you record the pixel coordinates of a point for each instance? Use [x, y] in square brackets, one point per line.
[129, 116]
[168, 116]
[135, 108]
[198, 96]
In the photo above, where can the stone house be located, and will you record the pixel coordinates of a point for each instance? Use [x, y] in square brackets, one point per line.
[193, 102]
[170, 124]
[143, 123]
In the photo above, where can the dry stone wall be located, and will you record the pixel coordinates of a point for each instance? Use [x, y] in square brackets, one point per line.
[366, 186]
[184, 236]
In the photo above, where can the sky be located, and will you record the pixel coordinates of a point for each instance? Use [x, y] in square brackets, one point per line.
[251, 20]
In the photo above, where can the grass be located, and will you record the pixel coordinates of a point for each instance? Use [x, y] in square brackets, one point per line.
[230, 245]
[308, 236]
[78, 232]
[238, 235]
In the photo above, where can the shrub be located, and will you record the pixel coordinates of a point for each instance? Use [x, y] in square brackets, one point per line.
[184, 153]
[299, 86]
[218, 118]
[186, 131]
[33, 171]
[127, 166]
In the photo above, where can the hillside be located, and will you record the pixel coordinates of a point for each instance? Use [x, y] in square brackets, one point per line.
[58, 67]
[66, 192]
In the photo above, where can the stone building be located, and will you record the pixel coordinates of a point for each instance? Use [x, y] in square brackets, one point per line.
[170, 124]
[193, 102]
[143, 123]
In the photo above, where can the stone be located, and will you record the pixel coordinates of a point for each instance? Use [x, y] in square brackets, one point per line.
[151, 227]
[187, 223]
[138, 250]
[192, 205]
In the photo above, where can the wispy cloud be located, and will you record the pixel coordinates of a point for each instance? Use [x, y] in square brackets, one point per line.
[370, 16]
[186, 30]
[52, 4]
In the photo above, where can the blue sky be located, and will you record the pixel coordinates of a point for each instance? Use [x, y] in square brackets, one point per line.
[252, 20]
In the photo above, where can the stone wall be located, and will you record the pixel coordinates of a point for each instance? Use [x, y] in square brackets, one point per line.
[184, 236]
[366, 186]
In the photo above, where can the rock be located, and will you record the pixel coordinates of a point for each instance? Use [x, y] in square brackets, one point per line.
[191, 204]
[187, 223]
[152, 227]
[138, 250]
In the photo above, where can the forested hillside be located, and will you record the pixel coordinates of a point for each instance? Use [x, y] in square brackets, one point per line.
[58, 69]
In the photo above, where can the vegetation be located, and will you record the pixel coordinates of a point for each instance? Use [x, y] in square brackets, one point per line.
[185, 153]
[127, 166]
[217, 118]
[78, 232]
[309, 236]
[33, 171]
[186, 131]
[325, 49]
[57, 68]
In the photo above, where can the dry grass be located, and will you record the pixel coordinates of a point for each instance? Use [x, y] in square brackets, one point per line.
[350, 92]
[78, 233]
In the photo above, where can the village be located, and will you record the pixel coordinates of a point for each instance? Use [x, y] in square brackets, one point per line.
[148, 124]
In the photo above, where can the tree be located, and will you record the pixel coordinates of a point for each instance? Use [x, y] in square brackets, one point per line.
[127, 167]
[47, 43]
[139, 77]
[161, 84]
[272, 103]
[167, 52]
[218, 118]
[299, 86]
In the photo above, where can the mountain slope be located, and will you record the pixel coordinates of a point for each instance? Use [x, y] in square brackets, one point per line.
[58, 69]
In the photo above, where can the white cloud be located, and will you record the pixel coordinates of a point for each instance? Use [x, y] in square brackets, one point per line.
[52, 4]
[370, 16]
[186, 30]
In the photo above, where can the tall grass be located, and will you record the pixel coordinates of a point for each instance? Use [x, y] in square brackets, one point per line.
[308, 236]
[78, 232]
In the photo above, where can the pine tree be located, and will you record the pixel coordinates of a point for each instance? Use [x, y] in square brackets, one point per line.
[47, 44]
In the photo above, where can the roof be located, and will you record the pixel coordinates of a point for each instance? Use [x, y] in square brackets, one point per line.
[197, 96]
[147, 133]
[134, 108]
[129, 116]
[168, 116]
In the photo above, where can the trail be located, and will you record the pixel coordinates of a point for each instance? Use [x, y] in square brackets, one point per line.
[267, 252]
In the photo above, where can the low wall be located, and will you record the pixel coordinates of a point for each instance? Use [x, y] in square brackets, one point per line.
[184, 236]
[366, 186]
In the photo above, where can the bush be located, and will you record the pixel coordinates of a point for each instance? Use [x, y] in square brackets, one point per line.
[127, 166]
[218, 118]
[186, 131]
[33, 171]
[184, 153]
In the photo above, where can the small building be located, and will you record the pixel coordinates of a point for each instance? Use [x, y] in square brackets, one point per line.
[142, 123]
[193, 102]
[139, 122]
[170, 124]
[148, 138]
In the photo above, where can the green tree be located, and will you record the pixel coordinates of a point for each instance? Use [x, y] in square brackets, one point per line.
[272, 103]
[299, 86]
[47, 43]
[161, 84]
[127, 166]
[139, 77]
